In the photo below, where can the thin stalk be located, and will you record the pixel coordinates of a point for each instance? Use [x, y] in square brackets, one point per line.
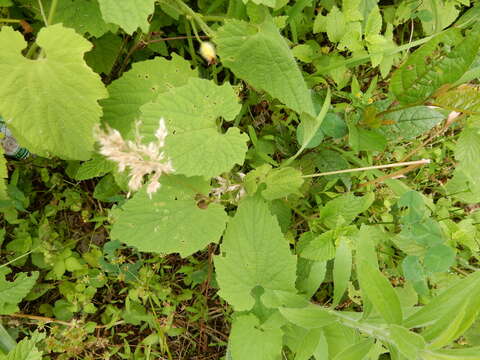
[190, 42]
[6, 20]
[42, 12]
[195, 16]
[51, 13]
[386, 166]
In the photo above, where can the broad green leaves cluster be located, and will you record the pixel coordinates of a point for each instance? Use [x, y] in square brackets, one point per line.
[313, 267]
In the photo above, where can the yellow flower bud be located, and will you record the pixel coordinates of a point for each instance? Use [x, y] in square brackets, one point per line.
[207, 50]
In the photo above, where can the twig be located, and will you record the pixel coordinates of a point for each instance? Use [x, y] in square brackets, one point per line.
[176, 38]
[73, 323]
[407, 163]
[454, 116]
[392, 175]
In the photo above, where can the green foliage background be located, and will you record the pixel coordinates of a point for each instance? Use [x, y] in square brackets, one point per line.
[277, 236]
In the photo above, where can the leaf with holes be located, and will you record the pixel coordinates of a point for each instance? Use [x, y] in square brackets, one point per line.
[170, 221]
[194, 144]
[143, 83]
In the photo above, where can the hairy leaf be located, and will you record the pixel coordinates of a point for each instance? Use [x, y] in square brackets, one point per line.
[25, 349]
[248, 340]
[254, 254]
[409, 123]
[12, 292]
[442, 60]
[344, 209]
[128, 14]
[258, 54]
[82, 15]
[194, 144]
[56, 112]
[143, 83]
[170, 221]
[51, 103]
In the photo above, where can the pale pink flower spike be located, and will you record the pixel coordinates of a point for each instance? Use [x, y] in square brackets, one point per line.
[141, 159]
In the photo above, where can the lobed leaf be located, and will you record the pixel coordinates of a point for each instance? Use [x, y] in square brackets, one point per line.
[143, 83]
[56, 112]
[194, 144]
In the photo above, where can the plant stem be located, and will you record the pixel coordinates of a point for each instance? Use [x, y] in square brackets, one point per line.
[51, 13]
[195, 16]
[42, 12]
[6, 20]
[408, 163]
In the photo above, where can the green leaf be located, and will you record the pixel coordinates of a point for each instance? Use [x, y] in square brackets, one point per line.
[373, 284]
[317, 247]
[442, 60]
[336, 25]
[55, 114]
[380, 292]
[414, 272]
[447, 303]
[170, 221]
[82, 15]
[467, 149]
[12, 292]
[439, 258]
[355, 351]
[361, 139]
[310, 275]
[97, 166]
[465, 185]
[310, 317]
[342, 269]
[6, 341]
[143, 83]
[328, 160]
[351, 10]
[280, 182]
[270, 3]
[248, 340]
[258, 54]
[104, 53]
[465, 98]
[407, 342]
[344, 209]
[311, 125]
[128, 14]
[25, 349]
[254, 254]
[471, 353]
[409, 123]
[194, 144]
[302, 342]
[373, 25]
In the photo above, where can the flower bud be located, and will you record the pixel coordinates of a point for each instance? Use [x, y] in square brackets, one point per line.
[207, 50]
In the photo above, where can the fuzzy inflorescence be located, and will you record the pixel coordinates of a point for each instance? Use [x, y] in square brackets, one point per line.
[141, 159]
